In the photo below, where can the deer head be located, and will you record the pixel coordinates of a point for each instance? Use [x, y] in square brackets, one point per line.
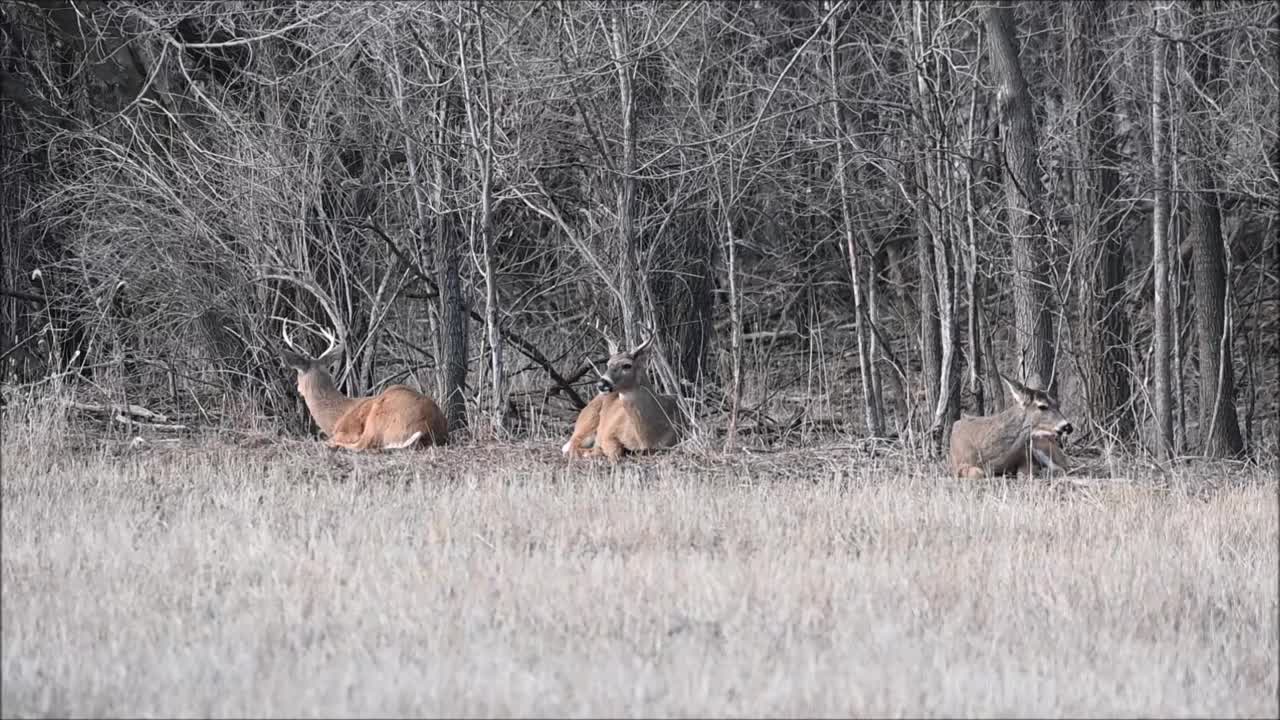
[625, 370]
[1040, 413]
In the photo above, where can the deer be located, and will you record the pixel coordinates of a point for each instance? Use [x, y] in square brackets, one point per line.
[626, 414]
[1026, 435]
[399, 417]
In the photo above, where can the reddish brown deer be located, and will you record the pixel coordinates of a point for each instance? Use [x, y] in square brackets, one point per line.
[627, 414]
[398, 417]
[1025, 436]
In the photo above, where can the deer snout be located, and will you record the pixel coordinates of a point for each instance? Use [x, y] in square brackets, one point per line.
[604, 385]
[1064, 428]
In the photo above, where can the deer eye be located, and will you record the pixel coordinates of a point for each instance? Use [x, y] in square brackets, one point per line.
[1042, 405]
[625, 366]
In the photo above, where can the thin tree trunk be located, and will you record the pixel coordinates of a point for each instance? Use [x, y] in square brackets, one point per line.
[930, 330]
[1023, 189]
[483, 147]
[973, 279]
[1159, 233]
[871, 415]
[735, 336]
[628, 275]
[873, 319]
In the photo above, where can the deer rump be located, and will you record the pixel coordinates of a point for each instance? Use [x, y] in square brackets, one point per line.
[398, 417]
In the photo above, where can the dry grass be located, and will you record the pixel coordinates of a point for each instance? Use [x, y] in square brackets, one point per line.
[287, 580]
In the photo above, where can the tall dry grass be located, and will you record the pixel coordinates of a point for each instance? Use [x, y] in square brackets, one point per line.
[212, 579]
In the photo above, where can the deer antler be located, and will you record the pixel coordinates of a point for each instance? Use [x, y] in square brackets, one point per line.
[594, 368]
[649, 337]
[284, 333]
[334, 347]
[329, 352]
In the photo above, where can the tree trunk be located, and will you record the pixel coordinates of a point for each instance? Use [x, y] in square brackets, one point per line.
[453, 306]
[933, 239]
[628, 274]
[1219, 426]
[698, 321]
[973, 279]
[1103, 324]
[1159, 234]
[871, 414]
[1023, 189]
[735, 334]
[930, 330]
[482, 144]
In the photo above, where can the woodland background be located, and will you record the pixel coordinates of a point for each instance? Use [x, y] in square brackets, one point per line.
[839, 217]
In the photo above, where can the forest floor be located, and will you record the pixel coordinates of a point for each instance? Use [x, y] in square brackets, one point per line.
[269, 577]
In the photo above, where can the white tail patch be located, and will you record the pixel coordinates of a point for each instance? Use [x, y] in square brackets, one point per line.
[413, 439]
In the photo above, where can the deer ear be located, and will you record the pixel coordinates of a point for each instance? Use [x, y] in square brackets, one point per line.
[1020, 393]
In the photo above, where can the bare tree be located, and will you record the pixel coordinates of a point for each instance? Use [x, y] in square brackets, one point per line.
[871, 411]
[1219, 426]
[1160, 231]
[1094, 186]
[1023, 190]
[448, 247]
[628, 277]
[482, 147]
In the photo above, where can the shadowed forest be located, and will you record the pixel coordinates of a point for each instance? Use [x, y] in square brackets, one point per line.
[837, 217]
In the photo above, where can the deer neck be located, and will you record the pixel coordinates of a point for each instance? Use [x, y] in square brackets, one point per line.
[638, 393]
[1009, 431]
[642, 401]
[324, 401]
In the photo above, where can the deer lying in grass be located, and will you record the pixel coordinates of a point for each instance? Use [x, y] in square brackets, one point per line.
[1024, 436]
[627, 414]
[398, 417]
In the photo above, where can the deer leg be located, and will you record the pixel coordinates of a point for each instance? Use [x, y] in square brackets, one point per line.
[351, 429]
[1051, 459]
[970, 472]
[578, 446]
[344, 438]
[609, 447]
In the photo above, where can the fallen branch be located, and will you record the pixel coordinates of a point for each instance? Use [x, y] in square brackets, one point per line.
[134, 410]
[130, 422]
[29, 297]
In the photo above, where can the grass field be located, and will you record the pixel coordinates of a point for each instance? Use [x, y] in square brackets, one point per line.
[282, 579]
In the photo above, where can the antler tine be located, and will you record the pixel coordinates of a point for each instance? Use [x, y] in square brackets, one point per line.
[284, 334]
[594, 368]
[333, 348]
[650, 335]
